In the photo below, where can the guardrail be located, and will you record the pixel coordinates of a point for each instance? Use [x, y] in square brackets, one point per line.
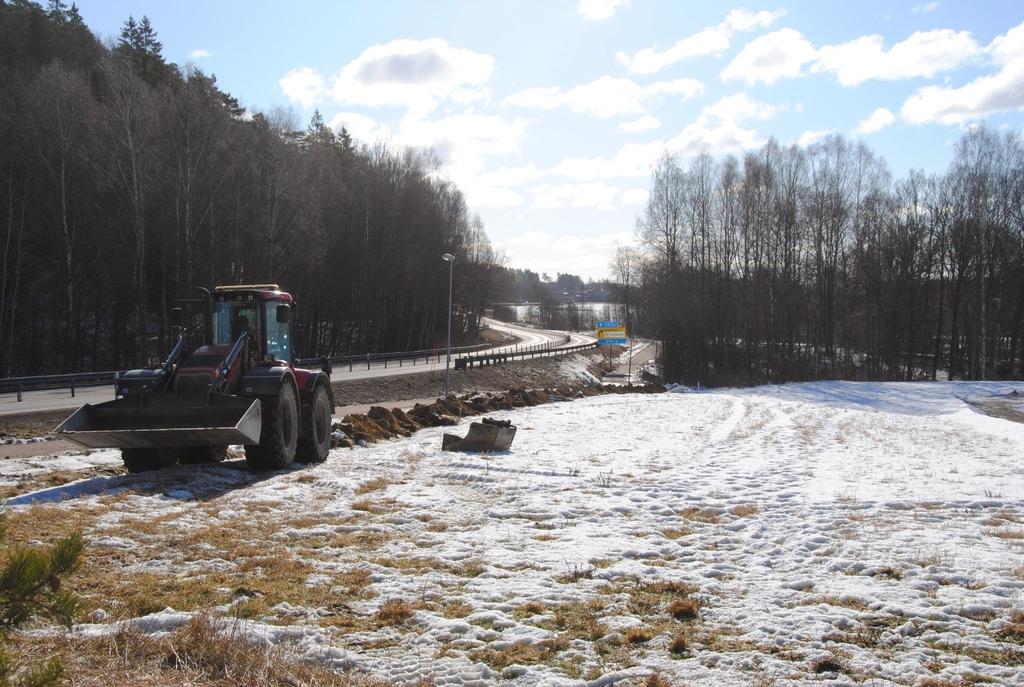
[461, 356]
[530, 351]
[413, 357]
[69, 381]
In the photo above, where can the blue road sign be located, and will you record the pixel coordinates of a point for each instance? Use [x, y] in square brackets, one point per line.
[610, 342]
[608, 325]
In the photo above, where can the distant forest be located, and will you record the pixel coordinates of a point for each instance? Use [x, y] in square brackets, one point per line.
[126, 181]
[806, 263]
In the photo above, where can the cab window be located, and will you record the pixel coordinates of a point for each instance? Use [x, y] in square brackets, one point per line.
[279, 343]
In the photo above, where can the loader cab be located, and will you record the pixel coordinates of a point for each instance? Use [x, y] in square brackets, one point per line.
[262, 310]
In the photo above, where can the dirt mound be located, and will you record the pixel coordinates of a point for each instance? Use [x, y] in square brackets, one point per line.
[379, 423]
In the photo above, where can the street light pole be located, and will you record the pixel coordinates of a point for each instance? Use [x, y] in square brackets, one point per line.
[450, 259]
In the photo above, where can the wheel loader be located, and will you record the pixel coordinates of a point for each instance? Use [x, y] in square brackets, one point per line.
[230, 379]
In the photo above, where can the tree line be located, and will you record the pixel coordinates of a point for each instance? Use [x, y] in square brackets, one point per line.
[127, 181]
[795, 263]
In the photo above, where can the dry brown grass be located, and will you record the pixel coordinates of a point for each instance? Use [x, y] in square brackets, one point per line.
[1015, 630]
[831, 600]
[393, 612]
[377, 507]
[639, 634]
[656, 680]
[34, 482]
[684, 609]
[828, 664]
[676, 532]
[529, 609]
[542, 652]
[1007, 532]
[575, 573]
[680, 644]
[581, 620]
[456, 609]
[377, 484]
[698, 514]
[745, 510]
[545, 537]
[474, 567]
[198, 653]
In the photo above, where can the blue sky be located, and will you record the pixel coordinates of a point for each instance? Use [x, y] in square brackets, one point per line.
[549, 115]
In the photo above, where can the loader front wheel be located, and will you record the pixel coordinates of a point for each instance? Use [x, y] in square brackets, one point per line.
[280, 432]
[197, 455]
[315, 442]
[142, 459]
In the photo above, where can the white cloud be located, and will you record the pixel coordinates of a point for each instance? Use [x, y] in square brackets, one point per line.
[717, 129]
[784, 53]
[605, 97]
[462, 143]
[564, 252]
[635, 196]
[645, 123]
[985, 95]
[592, 10]
[812, 136]
[713, 40]
[773, 56]
[634, 160]
[199, 53]
[303, 85]
[740, 106]
[411, 73]
[593, 194]
[361, 127]
[876, 121]
[461, 140]
[922, 54]
[925, 7]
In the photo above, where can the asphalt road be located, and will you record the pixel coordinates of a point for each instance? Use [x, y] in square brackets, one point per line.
[61, 399]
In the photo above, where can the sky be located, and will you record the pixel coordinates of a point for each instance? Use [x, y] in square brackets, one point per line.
[550, 115]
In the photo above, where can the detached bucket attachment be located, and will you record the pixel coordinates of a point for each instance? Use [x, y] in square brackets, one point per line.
[485, 436]
[164, 422]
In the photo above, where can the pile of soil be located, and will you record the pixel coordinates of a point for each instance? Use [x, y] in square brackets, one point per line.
[379, 423]
[531, 374]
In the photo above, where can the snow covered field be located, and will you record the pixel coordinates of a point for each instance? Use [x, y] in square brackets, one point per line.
[810, 533]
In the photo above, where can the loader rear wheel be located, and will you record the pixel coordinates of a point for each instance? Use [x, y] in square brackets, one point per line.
[196, 455]
[280, 432]
[315, 443]
[142, 459]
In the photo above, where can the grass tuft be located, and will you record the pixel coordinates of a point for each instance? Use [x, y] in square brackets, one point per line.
[393, 612]
[684, 609]
[378, 484]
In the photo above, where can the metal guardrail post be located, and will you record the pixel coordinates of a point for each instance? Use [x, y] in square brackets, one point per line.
[19, 393]
[72, 388]
[116, 376]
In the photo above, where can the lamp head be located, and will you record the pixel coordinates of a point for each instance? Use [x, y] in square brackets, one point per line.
[447, 257]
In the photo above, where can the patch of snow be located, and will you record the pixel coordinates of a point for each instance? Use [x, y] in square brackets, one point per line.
[874, 522]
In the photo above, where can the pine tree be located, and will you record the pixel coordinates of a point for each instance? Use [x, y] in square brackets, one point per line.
[346, 140]
[139, 45]
[58, 11]
[30, 587]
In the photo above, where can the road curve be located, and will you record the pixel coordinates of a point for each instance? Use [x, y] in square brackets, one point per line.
[61, 399]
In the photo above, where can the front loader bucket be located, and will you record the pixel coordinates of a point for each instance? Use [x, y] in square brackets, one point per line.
[486, 436]
[164, 422]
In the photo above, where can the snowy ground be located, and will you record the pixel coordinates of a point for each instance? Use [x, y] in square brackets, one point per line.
[811, 533]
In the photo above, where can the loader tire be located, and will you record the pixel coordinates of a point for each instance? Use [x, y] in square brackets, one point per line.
[142, 459]
[280, 433]
[196, 455]
[315, 441]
